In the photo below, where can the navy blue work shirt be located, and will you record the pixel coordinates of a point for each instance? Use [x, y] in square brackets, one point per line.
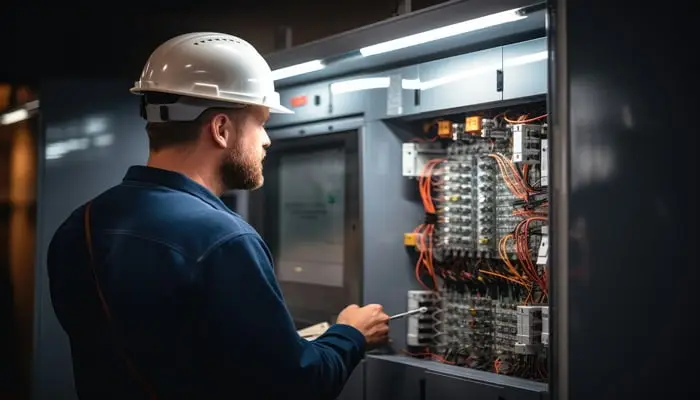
[193, 298]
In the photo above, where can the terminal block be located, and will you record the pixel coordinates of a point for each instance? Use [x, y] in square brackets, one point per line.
[544, 162]
[526, 143]
[421, 328]
[505, 327]
[545, 325]
[529, 337]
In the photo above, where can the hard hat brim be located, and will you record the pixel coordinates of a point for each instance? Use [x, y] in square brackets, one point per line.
[274, 108]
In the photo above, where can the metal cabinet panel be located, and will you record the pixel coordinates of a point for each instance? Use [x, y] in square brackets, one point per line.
[359, 94]
[395, 377]
[525, 69]
[389, 380]
[460, 81]
[410, 99]
[355, 386]
[443, 387]
[309, 103]
[314, 129]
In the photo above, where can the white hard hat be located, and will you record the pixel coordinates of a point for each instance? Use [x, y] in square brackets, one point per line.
[218, 69]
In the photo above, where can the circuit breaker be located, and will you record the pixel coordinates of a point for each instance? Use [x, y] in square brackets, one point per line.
[543, 251]
[529, 335]
[526, 143]
[420, 331]
[545, 325]
[544, 162]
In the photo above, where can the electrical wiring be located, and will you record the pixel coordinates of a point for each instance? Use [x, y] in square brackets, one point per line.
[512, 177]
[426, 230]
[485, 213]
[428, 354]
[523, 252]
[524, 120]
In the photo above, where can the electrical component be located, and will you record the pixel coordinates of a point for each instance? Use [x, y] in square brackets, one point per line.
[545, 325]
[544, 162]
[486, 218]
[529, 335]
[505, 326]
[486, 183]
[472, 125]
[416, 155]
[444, 129]
[529, 324]
[456, 210]
[420, 331]
[467, 327]
[526, 143]
[491, 129]
[543, 252]
[476, 208]
[411, 239]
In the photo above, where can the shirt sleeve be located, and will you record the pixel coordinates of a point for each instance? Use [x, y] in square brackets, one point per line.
[245, 322]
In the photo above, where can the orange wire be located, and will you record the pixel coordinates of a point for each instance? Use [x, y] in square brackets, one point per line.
[523, 119]
[426, 231]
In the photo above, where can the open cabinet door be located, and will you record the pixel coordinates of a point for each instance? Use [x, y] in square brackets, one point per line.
[311, 222]
[91, 133]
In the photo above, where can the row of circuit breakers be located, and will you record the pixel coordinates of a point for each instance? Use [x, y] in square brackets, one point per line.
[477, 205]
[516, 328]
[527, 144]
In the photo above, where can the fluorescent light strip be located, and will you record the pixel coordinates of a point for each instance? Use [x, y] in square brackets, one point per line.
[298, 69]
[356, 85]
[20, 114]
[14, 116]
[443, 32]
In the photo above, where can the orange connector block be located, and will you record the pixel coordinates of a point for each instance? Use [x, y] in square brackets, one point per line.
[473, 125]
[444, 129]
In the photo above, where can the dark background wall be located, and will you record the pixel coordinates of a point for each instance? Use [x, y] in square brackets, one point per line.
[109, 40]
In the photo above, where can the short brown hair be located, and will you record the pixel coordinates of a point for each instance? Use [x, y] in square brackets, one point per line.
[162, 135]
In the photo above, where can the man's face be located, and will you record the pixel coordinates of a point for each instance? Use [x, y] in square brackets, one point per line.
[242, 162]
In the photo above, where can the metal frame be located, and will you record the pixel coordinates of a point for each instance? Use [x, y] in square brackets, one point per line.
[310, 303]
[558, 99]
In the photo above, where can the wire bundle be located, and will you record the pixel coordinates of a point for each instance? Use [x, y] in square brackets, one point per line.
[426, 230]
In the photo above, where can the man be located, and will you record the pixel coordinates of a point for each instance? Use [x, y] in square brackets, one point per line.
[164, 292]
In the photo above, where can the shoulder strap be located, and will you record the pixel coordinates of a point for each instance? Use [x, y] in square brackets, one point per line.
[105, 308]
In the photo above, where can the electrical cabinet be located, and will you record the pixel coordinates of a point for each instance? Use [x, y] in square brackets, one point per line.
[454, 204]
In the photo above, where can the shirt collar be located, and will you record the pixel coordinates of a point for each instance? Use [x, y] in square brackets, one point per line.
[173, 180]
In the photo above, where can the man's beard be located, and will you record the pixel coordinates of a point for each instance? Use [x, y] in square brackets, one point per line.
[240, 173]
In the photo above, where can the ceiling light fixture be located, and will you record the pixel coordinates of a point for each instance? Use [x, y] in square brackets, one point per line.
[444, 32]
[298, 69]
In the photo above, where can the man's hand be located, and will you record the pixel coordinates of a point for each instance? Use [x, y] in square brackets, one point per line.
[370, 320]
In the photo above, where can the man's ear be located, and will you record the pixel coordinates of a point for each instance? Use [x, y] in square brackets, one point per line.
[219, 131]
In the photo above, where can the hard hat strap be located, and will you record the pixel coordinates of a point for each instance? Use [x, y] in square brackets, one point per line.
[185, 109]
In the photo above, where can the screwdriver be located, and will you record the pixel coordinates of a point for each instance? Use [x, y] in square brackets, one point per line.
[421, 310]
